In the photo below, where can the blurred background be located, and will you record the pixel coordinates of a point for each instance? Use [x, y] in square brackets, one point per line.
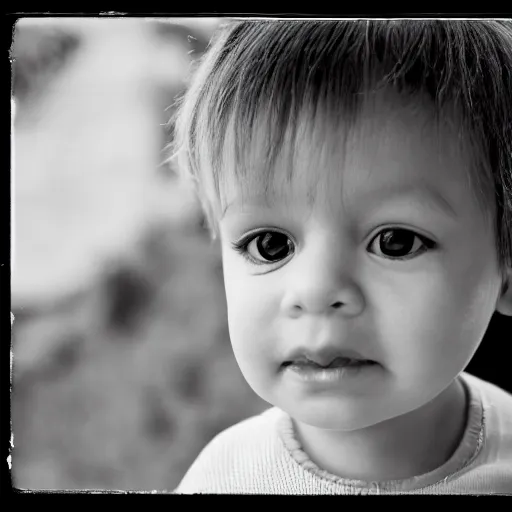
[123, 368]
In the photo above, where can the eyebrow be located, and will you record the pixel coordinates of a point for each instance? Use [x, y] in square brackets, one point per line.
[424, 193]
[257, 200]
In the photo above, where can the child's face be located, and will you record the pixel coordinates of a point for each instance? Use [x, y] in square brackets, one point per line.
[394, 262]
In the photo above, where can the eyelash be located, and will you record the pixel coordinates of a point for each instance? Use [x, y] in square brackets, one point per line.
[241, 246]
[428, 245]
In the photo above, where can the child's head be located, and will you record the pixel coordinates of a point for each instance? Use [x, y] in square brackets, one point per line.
[321, 151]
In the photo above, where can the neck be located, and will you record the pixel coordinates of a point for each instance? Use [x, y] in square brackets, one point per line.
[409, 445]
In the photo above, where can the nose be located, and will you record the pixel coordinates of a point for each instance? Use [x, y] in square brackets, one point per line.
[322, 285]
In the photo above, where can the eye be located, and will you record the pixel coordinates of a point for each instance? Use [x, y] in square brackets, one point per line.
[265, 247]
[400, 244]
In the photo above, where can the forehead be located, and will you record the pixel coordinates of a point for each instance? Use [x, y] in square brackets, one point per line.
[390, 145]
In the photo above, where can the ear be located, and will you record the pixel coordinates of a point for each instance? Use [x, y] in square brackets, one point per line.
[504, 305]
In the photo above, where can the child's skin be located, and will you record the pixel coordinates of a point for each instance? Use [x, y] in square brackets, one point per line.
[420, 319]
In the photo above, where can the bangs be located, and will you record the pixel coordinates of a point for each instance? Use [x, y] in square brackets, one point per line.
[262, 157]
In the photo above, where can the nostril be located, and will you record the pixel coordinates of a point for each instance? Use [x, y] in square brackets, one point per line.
[337, 305]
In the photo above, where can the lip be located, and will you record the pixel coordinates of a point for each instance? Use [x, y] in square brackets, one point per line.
[320, 376]
[329, 357]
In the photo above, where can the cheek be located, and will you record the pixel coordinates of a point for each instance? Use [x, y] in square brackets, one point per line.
[251, 320]
[251, 303]
[434, 324]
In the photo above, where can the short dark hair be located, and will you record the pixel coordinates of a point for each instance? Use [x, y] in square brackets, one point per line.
[275, 70]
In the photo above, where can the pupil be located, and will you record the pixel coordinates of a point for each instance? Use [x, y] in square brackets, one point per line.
[273, 246]
[396, 242]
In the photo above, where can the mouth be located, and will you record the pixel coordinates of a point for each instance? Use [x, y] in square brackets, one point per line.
[328, 371]
[305, 363]
[325, 358]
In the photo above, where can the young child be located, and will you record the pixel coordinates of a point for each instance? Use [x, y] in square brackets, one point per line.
[359, 177]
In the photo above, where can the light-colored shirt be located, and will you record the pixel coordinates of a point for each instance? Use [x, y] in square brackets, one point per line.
[261, 455]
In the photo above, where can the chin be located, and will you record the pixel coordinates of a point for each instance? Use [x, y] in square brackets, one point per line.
[336, 417]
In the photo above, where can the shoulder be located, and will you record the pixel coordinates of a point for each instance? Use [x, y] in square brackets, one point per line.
[494, 461]
[231, 459]
[495, 400]
[496, 406]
